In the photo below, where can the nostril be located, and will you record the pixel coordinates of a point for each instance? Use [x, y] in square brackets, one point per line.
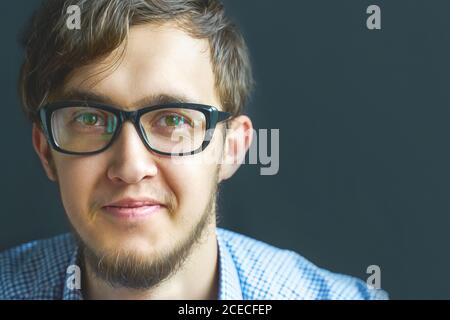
[131, 168]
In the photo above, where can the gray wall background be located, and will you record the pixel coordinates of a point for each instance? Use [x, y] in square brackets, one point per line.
[364, 139]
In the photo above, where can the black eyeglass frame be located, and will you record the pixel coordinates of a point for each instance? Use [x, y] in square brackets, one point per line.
[212, 116]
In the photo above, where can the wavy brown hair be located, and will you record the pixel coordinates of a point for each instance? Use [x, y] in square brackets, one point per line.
[52, 50]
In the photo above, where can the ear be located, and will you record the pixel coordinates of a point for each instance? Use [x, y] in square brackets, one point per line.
[43, 150]
[237, 142]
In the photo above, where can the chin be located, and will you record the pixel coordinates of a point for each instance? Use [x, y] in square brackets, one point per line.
[132, 243]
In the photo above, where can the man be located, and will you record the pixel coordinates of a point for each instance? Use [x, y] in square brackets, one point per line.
[137, 116]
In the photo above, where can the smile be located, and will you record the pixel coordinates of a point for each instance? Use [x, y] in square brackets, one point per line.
[133, 208]
[132, 212]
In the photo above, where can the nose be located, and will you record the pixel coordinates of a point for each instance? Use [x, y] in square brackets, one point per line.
[131, 161]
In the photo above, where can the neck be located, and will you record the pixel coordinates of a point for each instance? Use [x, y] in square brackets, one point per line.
[197, 279]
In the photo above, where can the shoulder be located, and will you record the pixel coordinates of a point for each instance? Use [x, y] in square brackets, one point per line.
[267, 272]
[36, 270]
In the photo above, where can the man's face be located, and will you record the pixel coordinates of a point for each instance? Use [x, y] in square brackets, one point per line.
[157, 60]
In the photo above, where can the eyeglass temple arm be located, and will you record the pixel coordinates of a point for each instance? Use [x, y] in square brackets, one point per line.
[223, 116]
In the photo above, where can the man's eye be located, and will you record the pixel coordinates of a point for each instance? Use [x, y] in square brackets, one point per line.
[90, 119]
[173, 120]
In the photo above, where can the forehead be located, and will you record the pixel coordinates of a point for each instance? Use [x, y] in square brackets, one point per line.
[154, 60]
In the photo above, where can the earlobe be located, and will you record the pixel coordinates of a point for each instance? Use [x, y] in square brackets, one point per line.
[238, 140]
[43, 151]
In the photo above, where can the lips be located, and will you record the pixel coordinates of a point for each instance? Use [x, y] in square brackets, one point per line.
[133, 207]
[133, 202]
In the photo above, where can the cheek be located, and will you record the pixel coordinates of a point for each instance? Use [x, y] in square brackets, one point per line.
[192, 183]
[194, 178]
[203, 167]
[77, 178]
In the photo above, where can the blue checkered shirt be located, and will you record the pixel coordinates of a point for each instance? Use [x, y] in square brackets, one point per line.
[248, 269]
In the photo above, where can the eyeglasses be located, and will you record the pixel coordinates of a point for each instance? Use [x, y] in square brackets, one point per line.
[86, 127]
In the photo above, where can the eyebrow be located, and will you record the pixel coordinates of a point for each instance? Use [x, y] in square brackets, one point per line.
[150, 100]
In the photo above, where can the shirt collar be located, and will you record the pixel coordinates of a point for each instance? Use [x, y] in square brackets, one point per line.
[229, 284]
